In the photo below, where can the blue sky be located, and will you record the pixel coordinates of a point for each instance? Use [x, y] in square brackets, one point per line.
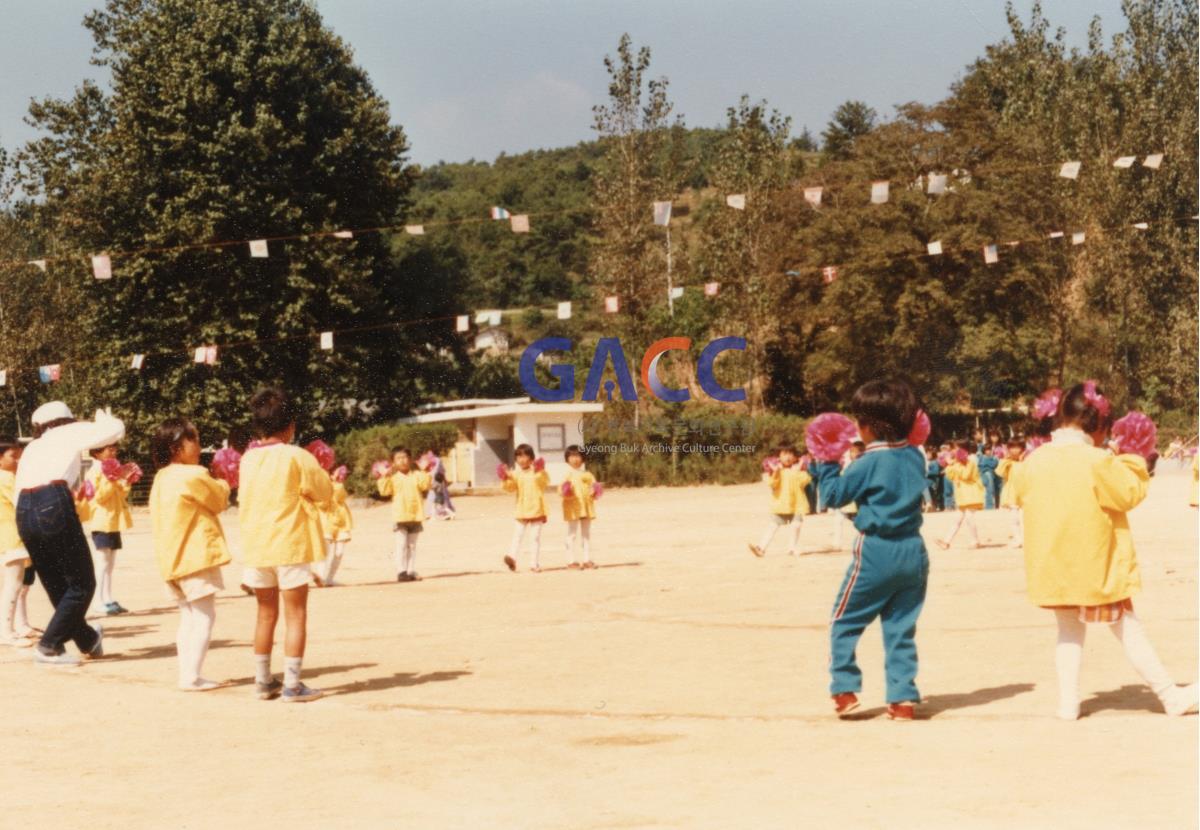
[473, 79]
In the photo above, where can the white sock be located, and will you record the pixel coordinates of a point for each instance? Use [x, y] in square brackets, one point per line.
[572, 533]
[262, 668]
[794, 532]
[291, 671]
[585, 533]
[537, 543]
[108, 561]
[1141, 653]
[13, 573]
[410, 554]
[203, 613]
[1068, 655]
[21, 619]
[183, 643]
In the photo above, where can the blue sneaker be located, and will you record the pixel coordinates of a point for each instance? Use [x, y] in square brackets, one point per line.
[268, 691]
[112, 609]
[301, 694]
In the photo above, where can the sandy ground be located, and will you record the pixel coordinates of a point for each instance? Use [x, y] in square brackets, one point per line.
[682, 684]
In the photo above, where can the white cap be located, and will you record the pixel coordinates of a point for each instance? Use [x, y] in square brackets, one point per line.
[52, 411]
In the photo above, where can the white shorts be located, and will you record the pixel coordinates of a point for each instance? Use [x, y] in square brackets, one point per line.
[16, 556]
[283, 577]
[196, 586]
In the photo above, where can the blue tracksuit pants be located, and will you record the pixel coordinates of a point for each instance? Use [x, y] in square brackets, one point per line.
[886, 579]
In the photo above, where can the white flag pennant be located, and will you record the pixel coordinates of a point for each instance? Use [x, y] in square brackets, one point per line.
[935, 248]
[829, 273]
[612, 304]
[564, 310]
[258, 248]
[520, 223]
[495, 318]
[1141, 226]
[812, 195]
[990, 255]
[1125, 162]
[3, 377]
[1056, 234]
[676, 292]
[205, 354]
[879, 192]
[1153, 161]
[1070, 169]
[39, 264]
[414, 230]
[1077, 238]
[462, 323]
[327, 340]
[500, 213]
[136, 363]
[662, 213]
[937, 184]
[343, 234]
[737, 201]
[711, 289]
[102, 267]
[481, 317]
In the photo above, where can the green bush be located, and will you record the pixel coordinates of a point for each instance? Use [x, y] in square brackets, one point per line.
[361, 448]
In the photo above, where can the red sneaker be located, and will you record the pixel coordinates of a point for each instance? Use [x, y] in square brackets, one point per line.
[902, 711]
[845, 703]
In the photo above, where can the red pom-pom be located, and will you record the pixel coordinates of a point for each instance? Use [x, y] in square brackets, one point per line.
[770, 465]
[380, 469]
[829, 435]
[920, 429]
[322, 452]
[1136, 433]
[597, 490]
[1047, 403]
[131, 472]
[502, 472]
[567, 492]
[110, 468]
[339, 475]
[225, 464]
[961, 455]
[539, 464]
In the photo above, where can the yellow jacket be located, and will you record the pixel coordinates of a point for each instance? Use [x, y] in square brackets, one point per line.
[787, 490]
[1004, 469]
[408, 494]
[281, 491]
[9, 538]
[184, 503]
[336, 522]
[968, 486]
[580, 504]
[1078, 548]
[110, 512]
[528, 485]
[1195, 502]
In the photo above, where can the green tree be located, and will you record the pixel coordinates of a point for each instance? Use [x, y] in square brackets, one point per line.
[850, 120]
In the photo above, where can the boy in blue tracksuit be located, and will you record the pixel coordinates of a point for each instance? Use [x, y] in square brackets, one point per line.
[890, 570]
[987, 474]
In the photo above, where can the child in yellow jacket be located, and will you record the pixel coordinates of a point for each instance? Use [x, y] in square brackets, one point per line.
[579, 491]
[1014, 452]
[963, 472]
[1079, 556]
[110, 516]
[528, 481]
[189, 543]
[407, 486]
[787, 481]
[281, 491]
[15, 630]
[336, 524]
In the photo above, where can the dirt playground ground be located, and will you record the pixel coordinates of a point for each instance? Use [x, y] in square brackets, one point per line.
[682, 684]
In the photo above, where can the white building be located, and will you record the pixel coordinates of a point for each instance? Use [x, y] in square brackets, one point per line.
[490, 429]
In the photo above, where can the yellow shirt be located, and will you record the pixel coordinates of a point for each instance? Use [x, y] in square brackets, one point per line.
[1004, 469]
[336, 522]
[281, 491]
[184, 503]
[580, 504]
[9, 538]
[528, 485]
[968, 486]
[110, 512]
[408, 494]
[787, 490]
[1078, 547]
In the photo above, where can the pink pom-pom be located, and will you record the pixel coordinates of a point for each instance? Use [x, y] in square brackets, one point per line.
[539, 464]
[829, 435]
[999, 451]
[961, 455]
[567, 492]
[770, 465]
[1095, 399]
[339, 475]
[943, 459]
[597, 490]
[805, 460]
[920, 429]
[131, 472]
[1136, 433]
[322, 452]
[502, 472]
[225, 464]
[1047, 403]
[380, 468]
[86, 491]
[111, 468]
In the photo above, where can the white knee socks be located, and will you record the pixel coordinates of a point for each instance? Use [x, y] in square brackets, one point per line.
[410, 554]
[535, 529]
[13, 573]
[794, 533]
[1068, 655]
[108, 561]
[196, 620]
[579, 529]
[966, 517]
[1141, 653]
[336, 549]
[767, 536]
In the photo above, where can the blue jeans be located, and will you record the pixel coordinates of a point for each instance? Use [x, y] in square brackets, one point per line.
[50, 529]
[886, 579]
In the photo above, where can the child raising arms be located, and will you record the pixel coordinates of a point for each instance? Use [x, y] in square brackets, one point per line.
[407, 486]
[789, 503]
[579, 507]
[528, 481]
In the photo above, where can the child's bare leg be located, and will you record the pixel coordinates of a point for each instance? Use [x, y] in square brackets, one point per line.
[264, 634]
[295, 615]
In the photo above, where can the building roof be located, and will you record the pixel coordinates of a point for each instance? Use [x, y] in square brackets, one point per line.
[514, 406]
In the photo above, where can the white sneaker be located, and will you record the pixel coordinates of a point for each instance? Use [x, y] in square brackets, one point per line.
[97, 651]
[1180, 700]
[62, 659]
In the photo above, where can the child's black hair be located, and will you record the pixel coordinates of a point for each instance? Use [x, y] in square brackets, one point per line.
[786, 446]
[967, 444]
[1017, 441]
[272, 411]
[1075, 410]
[94, 452]
[239, 438]
[401, 449]
[169, 437]
[886, 407]
[523, 449]
[859, 445]
[574, 449]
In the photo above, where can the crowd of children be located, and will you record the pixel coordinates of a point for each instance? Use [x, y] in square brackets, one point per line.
[1068, 487]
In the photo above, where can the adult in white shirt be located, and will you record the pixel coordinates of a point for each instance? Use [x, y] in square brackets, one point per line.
[47, 475]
